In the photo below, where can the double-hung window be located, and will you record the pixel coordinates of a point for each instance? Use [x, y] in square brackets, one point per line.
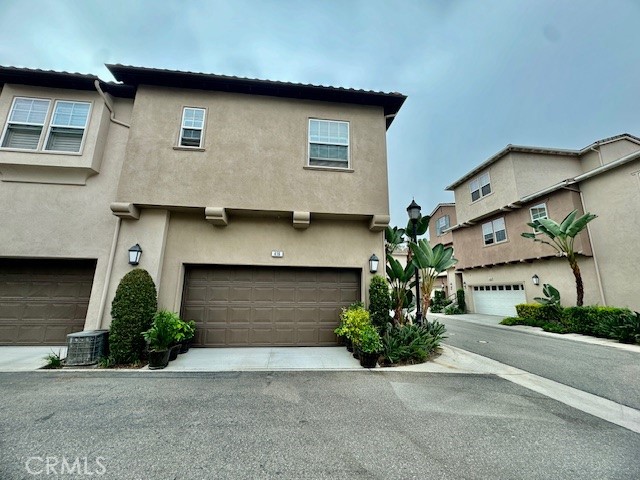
[494, 232]
[328, 143]
[442, 224]
[25, 124]
[28, 119]
[480, 187]
[191, 132]
[538, 212]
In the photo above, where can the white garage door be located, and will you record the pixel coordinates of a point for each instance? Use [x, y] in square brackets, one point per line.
[498, 299]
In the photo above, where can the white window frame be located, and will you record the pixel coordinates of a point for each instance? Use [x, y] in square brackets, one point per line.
[51, 126]
[493, 231]
[201, 129]
[341, 144]
[47, 126]
[479, 186]
[8, 123]
[440, 228]
[539, 206]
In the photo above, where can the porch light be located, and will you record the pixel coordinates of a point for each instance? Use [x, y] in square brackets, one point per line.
[373, 263]
[535, 279]
[134, 254]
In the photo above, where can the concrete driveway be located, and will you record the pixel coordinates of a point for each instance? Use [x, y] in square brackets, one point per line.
[22, 359]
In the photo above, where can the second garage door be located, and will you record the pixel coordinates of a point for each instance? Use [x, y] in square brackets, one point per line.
[267, 306]
[498, 299]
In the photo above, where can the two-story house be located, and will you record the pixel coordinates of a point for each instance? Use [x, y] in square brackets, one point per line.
[257, 204]
[443, 217]
[495, 201]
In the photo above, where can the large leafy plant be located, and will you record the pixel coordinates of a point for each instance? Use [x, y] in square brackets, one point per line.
[561, 237]
[400, 279]
[431, 262]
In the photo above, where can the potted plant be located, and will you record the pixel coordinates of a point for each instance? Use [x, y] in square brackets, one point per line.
[369, 346]
[352, 321]
[187, 330]
[159, 337]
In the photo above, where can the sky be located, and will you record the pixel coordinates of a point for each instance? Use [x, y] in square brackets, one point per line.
[478, 74]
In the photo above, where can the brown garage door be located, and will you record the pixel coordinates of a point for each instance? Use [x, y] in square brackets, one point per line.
[41, 301]
[265, 306]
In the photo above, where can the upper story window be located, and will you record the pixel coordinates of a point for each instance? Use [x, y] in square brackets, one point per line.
[28, 119]
[480, 186]
[328, 143]
[192, 127]
[538, 212]
[442, 224]
[494, 232]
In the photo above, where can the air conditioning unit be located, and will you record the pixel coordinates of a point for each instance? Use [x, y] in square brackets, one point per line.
[86, 348]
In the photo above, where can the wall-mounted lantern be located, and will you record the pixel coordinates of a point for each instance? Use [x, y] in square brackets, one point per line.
[373, 263]
[535, 279]
[134, 254]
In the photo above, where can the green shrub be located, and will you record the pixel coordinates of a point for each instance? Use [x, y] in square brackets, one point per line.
[439, 301]
[410, 343]
[132, 311]
[529, 310]
[352, 322]
[462, 304]
[369, 340]
[617, 323]
[163, 332]
[579, 320]
[513, 321]
[453, 310]
[379, 301]
[554, 328]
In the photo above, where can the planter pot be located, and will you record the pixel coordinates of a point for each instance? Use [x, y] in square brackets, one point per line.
[349, 345]
[159, 359]
[173, 352]
[369, 360]
[184, 346]
[357, 353]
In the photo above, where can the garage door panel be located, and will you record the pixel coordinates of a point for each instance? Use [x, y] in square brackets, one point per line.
[493, 300]
[267, 305]
[41, 301]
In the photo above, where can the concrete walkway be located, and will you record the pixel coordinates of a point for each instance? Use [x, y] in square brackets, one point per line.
[24, 359]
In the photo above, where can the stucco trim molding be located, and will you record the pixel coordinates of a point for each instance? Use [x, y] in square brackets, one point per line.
[379, 222]
[216, 216]
[125, 210]
[57, 175]
[301, 220]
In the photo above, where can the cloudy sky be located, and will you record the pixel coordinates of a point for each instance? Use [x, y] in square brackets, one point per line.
[479, 74]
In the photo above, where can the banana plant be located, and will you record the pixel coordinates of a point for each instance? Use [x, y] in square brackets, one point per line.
[431, 262]
[392, 238]
[400, 280]
[561, 236]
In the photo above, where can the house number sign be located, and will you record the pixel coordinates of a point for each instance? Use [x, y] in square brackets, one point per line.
[277, 253]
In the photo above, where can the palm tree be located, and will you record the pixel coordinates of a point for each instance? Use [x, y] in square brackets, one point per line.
[562, 237]
[431, 262]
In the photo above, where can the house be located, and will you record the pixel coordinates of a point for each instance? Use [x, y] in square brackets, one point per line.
[443, 217]
[257, 204]
[495, 201]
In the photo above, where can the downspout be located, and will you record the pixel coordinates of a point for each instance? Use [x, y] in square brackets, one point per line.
[107, 279]
[593, 252]
[599, 154]
[112, 115]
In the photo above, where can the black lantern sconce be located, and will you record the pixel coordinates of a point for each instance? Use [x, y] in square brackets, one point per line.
[134, 254]
[535, 279]
[373, 263]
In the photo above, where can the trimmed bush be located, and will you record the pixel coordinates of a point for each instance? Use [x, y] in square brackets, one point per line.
[352, 322]
[529, 311]
[132, 312]
[462, 304]
[379, 301]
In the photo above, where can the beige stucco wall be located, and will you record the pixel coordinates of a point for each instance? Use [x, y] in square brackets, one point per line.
[254, 157]
[445, 238]
[65, 221]
[172, 239]
[615, 197]
[469, 244]
[535, 171]
[555, 271]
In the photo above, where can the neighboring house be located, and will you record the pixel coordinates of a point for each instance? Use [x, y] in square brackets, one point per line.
[443, 217]
[257, 204]
[496, 200]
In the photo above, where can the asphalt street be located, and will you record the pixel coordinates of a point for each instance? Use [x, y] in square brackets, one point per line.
[299, 425]
[604, 371]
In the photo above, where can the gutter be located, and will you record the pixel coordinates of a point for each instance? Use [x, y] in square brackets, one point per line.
[112, 115]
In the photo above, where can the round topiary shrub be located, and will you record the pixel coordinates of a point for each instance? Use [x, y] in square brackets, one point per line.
[132, 310]
[379, 301]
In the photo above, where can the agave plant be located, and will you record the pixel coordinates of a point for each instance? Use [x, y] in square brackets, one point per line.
[561, 236]
[431, 262]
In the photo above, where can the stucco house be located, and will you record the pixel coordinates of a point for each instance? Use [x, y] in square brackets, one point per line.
[495, 201]
[257, 204]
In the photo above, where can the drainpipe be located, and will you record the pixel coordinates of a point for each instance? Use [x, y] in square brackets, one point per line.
[107, 279]
[599, 154]
[595, 258]
[112, 115]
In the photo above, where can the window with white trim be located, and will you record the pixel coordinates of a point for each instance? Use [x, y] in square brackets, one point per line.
[25, 124]
[480, 186]
[494, 232]
[67, 126]
[442, 224]
[538, 212]
[29, 117]
[328, 143]
[191, 131]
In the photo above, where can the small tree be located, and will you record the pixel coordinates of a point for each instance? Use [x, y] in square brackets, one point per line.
[562, 237]
[431, 262]
[400, 280]
[379, 301]
[132, 312]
